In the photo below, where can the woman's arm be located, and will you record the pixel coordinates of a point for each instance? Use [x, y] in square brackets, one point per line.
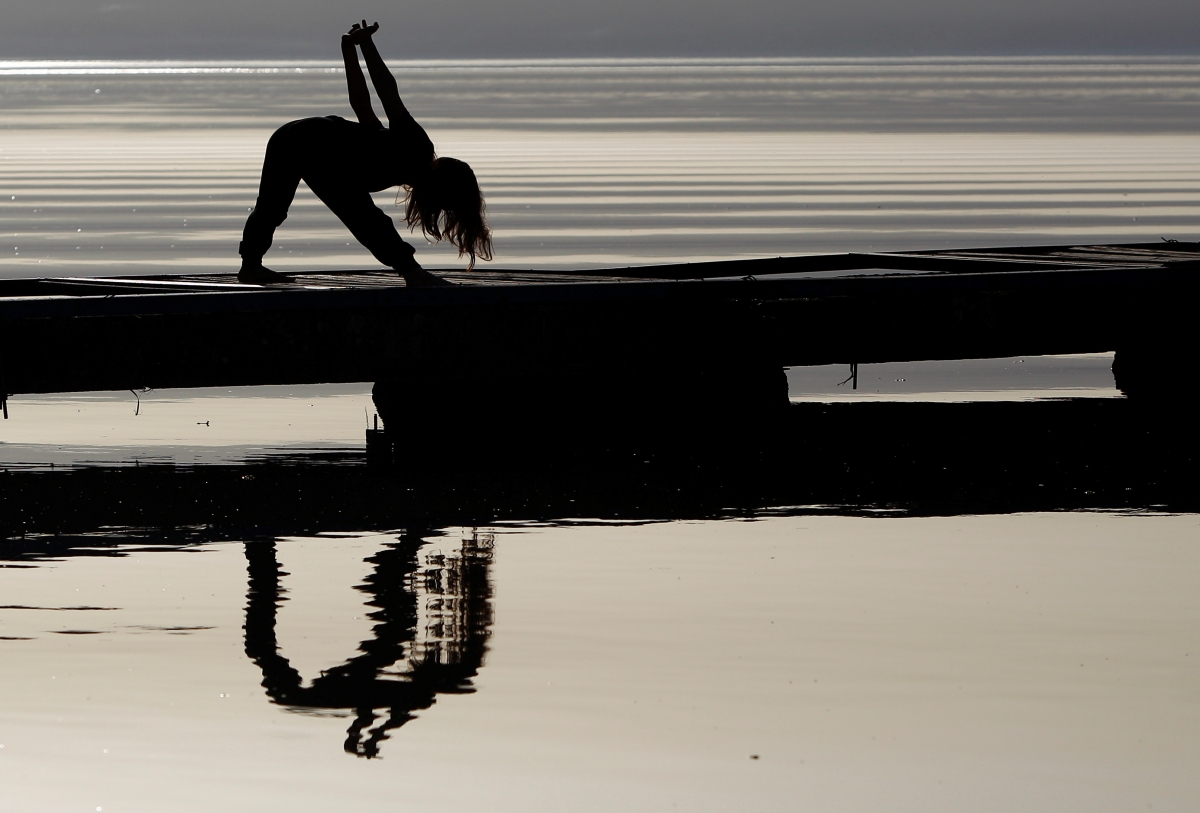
[360, 97]
[381, 77]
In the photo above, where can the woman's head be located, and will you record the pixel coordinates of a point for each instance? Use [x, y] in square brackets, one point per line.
[448, 205]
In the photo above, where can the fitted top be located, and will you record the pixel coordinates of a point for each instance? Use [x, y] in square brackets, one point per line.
[378, 157]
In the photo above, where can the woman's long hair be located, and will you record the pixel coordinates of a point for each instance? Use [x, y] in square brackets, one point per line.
[448, 205]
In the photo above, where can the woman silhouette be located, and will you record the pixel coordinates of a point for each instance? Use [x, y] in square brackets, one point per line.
[343, 162]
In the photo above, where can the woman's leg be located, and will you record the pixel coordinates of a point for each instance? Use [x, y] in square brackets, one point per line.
[276, 190]
[372, 227]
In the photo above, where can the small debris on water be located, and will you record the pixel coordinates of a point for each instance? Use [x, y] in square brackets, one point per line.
[754, 756]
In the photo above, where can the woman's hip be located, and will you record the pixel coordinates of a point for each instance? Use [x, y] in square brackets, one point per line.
[313, 146]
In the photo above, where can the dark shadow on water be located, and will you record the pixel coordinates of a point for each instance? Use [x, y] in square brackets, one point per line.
[910, 458]
[433, 616]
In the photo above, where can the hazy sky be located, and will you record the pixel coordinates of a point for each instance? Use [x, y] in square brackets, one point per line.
[520, 28]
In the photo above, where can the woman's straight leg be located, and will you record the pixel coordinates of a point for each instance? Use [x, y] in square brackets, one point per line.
[370, 225]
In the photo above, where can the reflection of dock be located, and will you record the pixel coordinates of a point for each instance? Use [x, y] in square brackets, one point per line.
[635, 333]
[914, 458]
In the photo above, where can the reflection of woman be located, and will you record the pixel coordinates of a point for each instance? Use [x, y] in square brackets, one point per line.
[397, 669]
[343, 162]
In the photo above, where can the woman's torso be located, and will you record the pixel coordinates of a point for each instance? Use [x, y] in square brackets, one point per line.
[370, 158]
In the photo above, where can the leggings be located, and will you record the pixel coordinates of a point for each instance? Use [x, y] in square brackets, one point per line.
[310, 150]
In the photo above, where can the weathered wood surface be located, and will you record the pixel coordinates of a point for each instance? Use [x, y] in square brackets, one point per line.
[623, 324]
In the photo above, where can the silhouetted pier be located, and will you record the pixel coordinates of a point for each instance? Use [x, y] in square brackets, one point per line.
[622, 341]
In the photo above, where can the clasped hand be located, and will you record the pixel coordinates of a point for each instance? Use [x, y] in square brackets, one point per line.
[359, 33]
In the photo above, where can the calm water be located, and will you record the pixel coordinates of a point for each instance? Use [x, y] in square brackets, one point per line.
[745, 654]
[1028, 662]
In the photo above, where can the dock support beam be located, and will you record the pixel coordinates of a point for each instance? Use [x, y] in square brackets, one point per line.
[642, 407]
[1156, 374]
[3, 390]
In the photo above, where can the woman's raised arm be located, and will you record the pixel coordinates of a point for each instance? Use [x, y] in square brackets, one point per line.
[381, 77]
[360, 97]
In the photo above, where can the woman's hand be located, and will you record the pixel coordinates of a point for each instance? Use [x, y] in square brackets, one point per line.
[359, 33]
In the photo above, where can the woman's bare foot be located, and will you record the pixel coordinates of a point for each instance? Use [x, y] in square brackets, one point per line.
[420, 278]
[259, 274]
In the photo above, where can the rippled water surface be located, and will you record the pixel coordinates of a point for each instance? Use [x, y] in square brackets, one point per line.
[139, 167]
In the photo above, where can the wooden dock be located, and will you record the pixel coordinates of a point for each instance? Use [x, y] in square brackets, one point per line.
[618, 339]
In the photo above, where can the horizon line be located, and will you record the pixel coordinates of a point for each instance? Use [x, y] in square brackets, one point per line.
[96, 66]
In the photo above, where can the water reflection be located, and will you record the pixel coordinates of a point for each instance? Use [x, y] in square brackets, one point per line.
[1023, 651]
[990, 653]
[429, 593]
[432, 605]
[911, 457]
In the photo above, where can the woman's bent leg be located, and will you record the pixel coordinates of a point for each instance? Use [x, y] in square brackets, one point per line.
[276, 190]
